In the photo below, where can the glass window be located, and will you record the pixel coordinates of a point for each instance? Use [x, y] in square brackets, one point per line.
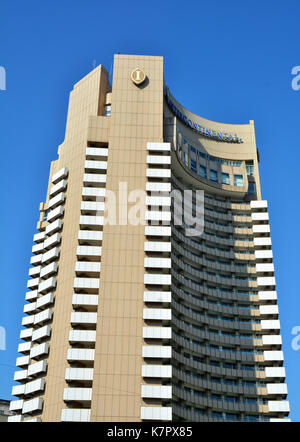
[217, 414]
[193, 165]
[249, 169]
[107, 110]
[213, 175]
[251, 188]
[185, 158]
[46, 214]
[238, 180]
[225, 178]
[202, 171]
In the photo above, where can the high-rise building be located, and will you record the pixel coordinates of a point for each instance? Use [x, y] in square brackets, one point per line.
[152, 292]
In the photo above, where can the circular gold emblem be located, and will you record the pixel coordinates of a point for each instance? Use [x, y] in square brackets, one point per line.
[138, 76]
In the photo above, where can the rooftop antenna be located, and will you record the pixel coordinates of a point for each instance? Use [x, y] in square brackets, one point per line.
[110, 72]
[94, 64]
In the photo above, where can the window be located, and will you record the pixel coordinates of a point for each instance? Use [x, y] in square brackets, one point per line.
[238, 180]
[107, 110]
[185, 158]
[193, 165]
[213, 175]
[202, 171]
[251, 188]
[217, 414]
[225, 178]
[249, 169]
[46, 214]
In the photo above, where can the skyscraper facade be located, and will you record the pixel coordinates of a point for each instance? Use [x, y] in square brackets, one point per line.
[152, 294]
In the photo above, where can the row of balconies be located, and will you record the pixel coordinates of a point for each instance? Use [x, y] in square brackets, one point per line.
[83, 319]
[157, 320]
[41, 299]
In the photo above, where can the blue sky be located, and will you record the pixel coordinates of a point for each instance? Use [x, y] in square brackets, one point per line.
[226, 61]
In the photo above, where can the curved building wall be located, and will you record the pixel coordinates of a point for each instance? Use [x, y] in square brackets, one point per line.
[225, 332]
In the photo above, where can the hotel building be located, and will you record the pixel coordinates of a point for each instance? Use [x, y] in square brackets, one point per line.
[147, 321]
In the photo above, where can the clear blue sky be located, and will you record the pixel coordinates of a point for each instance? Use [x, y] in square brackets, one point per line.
[228, 61]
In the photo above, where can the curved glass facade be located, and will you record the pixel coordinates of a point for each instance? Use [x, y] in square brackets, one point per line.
[220, 358]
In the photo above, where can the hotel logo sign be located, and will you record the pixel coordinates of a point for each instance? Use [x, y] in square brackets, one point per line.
[138, 76]
[214, 134]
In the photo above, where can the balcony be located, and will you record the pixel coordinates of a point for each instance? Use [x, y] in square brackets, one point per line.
[32, 405]
[81, 354]
[22, 361]
[20, 375]
[41, 333]
[39, 351]
[75, 415]
[156, 215]
[37, 248]
[57, 188]
[55, 201]
[77, 394]
[79, 374]
[157, 279]
[160, 263]
[161, 147]
[24, 347]
[157, 351]
[157, 332]
[55, 213]
[48, 270]
[84, 300]
[44, 301]
[158, 173]
[156, 413]
[90, 237]
[37, 368]
[88, 319]
[157, 231]
[62, 173]
[90, 285]
[96, 152]
[158, 159]
[52, 241]
[157, 371]
[93, 193]
[37, 259]
[53, 227]
[47, 285]
[82, 336]
[157, 314]
[94, 222]
[52, 255]
[35, 386]
[39, 237]
[94, 180]
[156, 392]
[157, 246]
[44, 316]
[163, 297]
[26, 334]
